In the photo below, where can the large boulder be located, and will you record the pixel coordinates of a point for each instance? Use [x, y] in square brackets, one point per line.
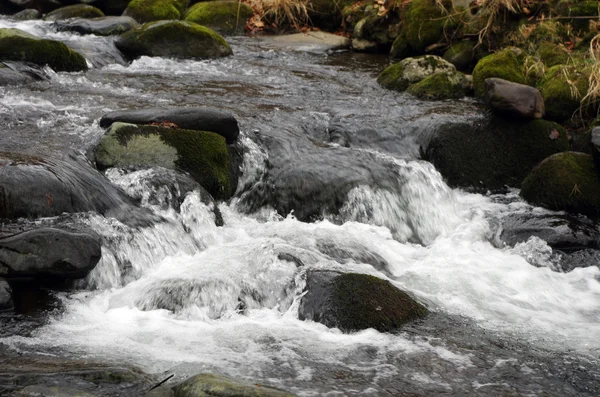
[562, 88]
[103, 26]
[354, 302]
[223, 386]
[17, 45]
[445, 85]
[493, 153]
[174, 39]
[26, 15]
[155, 10]
[564, 182]
[412, 70]
[6, 301]
[424, 22]
[201, 153]
[513, 100]
[225, 17]
[74, 11]
[507, 64]
[192, 118]
[49, 252]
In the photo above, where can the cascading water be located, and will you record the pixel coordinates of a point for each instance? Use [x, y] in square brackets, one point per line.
[185, 295]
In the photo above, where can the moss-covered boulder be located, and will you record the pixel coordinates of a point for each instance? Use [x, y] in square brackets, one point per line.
[225, 17]
[223, 386]
[174, 39]
[562, 88]
[353, 302]
[17, 45]
[552, 54]
[507, 64]
[450, 85]
[74, 11]
[412, 70]
[103, 26]
[461, 54]
[202, 154]
[424, 22]
[494, 153]
[564, 182]
[29, 14]
[155, 10]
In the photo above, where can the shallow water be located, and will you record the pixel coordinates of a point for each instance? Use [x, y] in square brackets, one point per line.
[185, 296]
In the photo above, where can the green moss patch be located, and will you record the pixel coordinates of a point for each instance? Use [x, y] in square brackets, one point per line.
[16, 45]
[506, 64]
[392, 78]
[202, 154]
[564, 182]
[424, 23]
[156, 10]
[552, 54]
[226, 17]
[562, 89]
[440, 86]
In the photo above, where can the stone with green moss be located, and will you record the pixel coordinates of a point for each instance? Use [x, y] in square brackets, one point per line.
[225, 17]
[354, 302]
[562, 88]
[74, 11]
[223, 386]
[174, 39]
[202, 154]
[412, 70]
[564, 182]
[17, 45]
[491, 154]
[452, 85]
[507, 64]
[552, 54]
[400, 48]
[424, 23]
[156, 10]
[461, 54]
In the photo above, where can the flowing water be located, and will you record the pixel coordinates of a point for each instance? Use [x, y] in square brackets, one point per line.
[184, 296]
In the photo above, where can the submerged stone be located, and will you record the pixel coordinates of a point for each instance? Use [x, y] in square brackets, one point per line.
[104, 26]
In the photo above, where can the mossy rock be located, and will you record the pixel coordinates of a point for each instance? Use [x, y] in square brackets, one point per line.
[552, 54]
[174, 39]
[223, 386]
[564, 182]
[424, 23]
[400, 48]
[156, 10]
[562, 88]
[225, 17]
[202, 154]
[552, 32]
[441, 86]
[377, 29]
[17, 45]
[74, 11]
[354, 302]
[507, 64]
[461, 54]
[494, 153]
[412, 70]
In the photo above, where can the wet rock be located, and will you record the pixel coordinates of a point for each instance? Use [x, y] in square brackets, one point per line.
[192, 118]
[26, 15]
[412, 70]
[49, 252]
[314, 41]
[32, 187]
[564, 182]
[51, 391]
[557, 90]
[492, 153]
[173, 39]
[353, 302]
[6, 301]
[17, 45]
[513, 100]
[461, 55]
[155, 10]
[201, 153]
[506, 64]
[582, 258]
[103, 26]
[563, 232]
[595, 140]
[223, 386]
[19, 73]
[439, 86]
[225, 17]
[74, 11]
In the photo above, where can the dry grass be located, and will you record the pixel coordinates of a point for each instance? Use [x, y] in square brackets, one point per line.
[592, 97]
[494, 11]
[282, 12]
